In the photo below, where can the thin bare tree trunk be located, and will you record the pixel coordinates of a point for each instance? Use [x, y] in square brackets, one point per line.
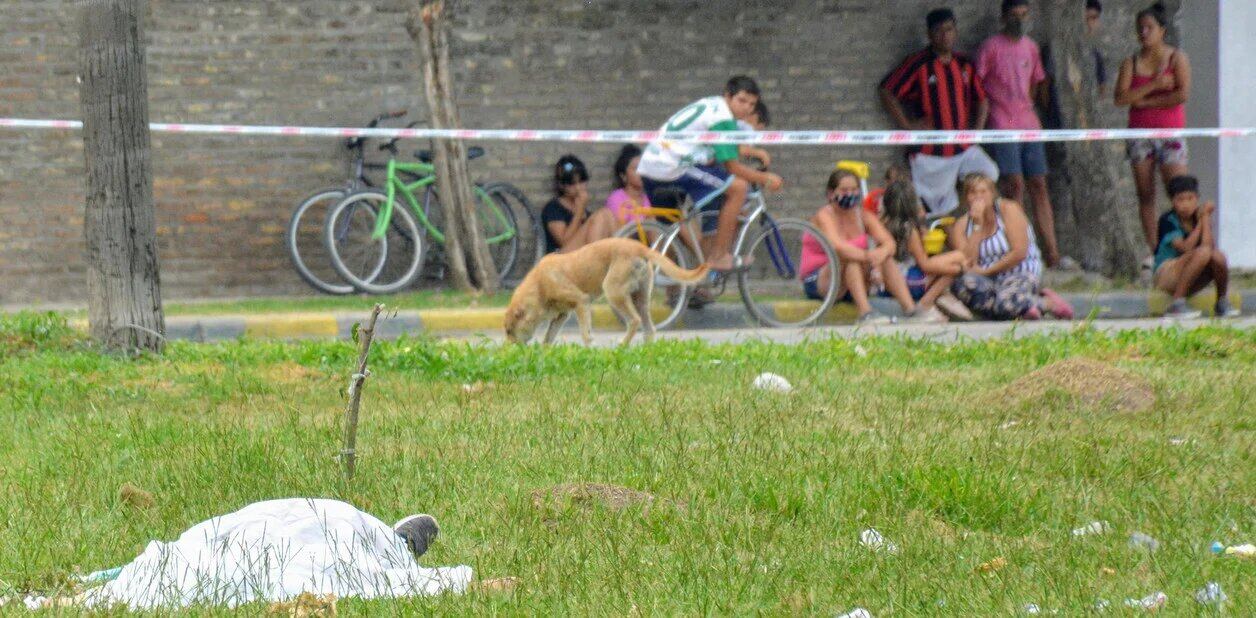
[123, 287]
[349, 452]
[1102, 219]
[428, 25]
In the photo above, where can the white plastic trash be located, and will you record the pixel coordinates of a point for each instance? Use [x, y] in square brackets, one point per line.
[873, 540]
[1094, 527]
[858, 612]
[772, 382]
[1151, 602]
[1138, 540]
[1211, 594]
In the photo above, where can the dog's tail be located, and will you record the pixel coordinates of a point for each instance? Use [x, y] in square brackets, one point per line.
[673, 271]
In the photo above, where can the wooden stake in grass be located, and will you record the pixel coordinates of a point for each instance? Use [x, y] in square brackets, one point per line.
[348, 454]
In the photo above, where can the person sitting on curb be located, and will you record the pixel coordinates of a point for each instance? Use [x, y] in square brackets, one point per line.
[861, 243]
[1002, 275]
[1187, 257]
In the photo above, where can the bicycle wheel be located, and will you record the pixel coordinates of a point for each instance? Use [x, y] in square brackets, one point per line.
[770, 285]
[500, 230]
[528, 226]
[497, 224]
[377, 266]
[670, 298]
[304, 240]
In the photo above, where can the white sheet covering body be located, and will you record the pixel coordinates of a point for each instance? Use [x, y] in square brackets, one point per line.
[273, 551]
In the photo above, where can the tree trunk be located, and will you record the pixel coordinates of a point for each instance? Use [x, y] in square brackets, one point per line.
[123, 287]
[1100, 223]
[466, 249]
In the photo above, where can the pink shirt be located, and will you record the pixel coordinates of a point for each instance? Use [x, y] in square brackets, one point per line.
[1008, 68]
[620, 203]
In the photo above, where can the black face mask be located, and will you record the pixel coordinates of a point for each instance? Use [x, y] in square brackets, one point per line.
[1017, 27]
[847, 202]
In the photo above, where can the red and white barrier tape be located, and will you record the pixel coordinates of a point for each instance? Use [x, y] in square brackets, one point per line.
[898, 138]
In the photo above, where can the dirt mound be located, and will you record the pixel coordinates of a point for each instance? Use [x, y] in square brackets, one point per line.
[612, 497]
[1091, 382]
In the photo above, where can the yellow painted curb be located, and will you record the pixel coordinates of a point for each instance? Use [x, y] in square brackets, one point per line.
[604, 316]
[435, 320]
[839, 313]
[1205, 301]
[291, 325]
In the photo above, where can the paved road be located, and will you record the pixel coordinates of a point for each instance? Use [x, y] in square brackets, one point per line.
[945, 333]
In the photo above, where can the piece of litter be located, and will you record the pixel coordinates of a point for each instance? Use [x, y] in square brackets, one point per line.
[772, 382]
[717, 362]
[858, 612]
[1211, 594]
[1238, 551]
[1151, 602]
[860, 351]
[990, 566]
[1107, 571]
[1101, 605]
[1032, 608]
[1177, 441]
[1138, 540]
[1094, 527]
[873, 540]
[33, 602]
[96, 577]
[1009, 424]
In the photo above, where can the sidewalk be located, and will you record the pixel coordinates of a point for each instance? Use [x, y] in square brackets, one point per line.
[719, 316]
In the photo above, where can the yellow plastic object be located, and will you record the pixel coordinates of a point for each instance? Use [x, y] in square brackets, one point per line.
[935, 238]
[858, 168]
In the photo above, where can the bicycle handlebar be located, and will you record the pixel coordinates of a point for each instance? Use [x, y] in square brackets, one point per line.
[357, 142]
[391, 145]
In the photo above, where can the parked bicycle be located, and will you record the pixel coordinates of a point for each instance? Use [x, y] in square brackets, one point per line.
[378, 244]
[768, 249]
[304, 238]
[516, 251]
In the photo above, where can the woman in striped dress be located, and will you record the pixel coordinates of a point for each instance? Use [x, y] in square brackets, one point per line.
[1001, 279]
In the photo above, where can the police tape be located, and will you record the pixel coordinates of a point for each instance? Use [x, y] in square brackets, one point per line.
[855, 138]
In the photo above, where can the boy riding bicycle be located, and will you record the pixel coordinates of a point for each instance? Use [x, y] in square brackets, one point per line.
[703, 170]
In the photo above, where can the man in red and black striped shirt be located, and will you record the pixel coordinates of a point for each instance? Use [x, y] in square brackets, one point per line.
[940, 89]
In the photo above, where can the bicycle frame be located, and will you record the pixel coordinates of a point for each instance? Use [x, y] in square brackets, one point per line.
[426, 175]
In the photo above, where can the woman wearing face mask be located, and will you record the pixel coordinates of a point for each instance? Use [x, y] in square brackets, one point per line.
[1002, 272]
[1155, 84]
[861, 242]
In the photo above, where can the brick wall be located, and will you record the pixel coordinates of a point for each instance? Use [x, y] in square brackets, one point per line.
[223, 202]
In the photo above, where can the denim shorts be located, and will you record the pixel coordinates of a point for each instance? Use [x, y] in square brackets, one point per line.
[1020, 158]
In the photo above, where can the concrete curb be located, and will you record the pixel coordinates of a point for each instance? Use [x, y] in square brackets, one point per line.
[339, 325]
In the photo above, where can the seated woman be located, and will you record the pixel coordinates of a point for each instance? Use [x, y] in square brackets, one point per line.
[568, 223]
[1002, 272]
[861, 243]
[903, 216]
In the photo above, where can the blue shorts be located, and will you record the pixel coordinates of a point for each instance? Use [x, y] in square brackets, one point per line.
[698, 182]
[1020, 158]
[812, 290]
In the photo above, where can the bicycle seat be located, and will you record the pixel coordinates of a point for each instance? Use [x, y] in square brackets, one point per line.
[425, 156]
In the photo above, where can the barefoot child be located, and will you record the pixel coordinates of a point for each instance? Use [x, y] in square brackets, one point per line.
[1187, 258]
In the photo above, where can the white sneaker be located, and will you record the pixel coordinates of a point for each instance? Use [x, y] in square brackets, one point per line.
[954, 309]
[928, 316]
[872, 318]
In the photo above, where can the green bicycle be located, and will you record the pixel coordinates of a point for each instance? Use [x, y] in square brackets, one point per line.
[379, 247]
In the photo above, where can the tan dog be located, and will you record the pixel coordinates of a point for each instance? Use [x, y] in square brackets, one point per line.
[565, 282]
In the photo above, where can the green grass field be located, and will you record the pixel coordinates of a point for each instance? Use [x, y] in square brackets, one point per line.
[922, 441]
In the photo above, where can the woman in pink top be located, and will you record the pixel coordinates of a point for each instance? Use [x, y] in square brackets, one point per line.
[1154, 84]
[629, 193]
[861, 243]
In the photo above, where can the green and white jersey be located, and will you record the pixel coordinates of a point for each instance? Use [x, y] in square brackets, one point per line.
[667, 160]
